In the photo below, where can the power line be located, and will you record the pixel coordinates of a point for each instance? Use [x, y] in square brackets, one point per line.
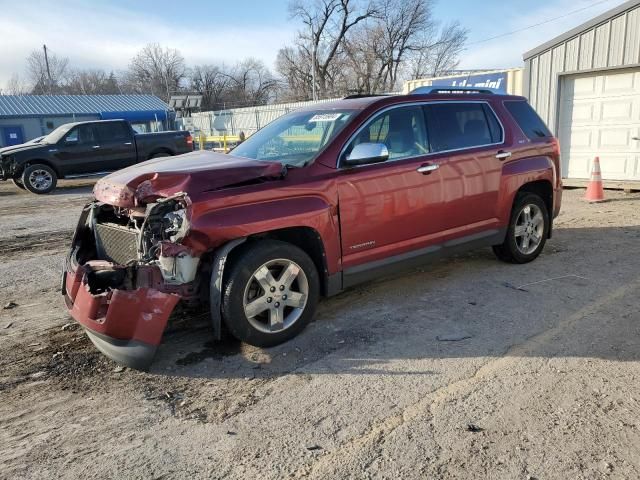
[538, 24]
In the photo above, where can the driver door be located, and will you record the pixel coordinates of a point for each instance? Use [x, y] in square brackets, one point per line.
[394, 208]
[76, 150]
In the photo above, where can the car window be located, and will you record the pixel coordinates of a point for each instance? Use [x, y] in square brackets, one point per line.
[401, 129]
[82, 134]
[294, 139]
[112, 131]
[528, 120]
[452, 126]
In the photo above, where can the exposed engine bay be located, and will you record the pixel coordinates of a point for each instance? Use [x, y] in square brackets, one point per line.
[136, 247]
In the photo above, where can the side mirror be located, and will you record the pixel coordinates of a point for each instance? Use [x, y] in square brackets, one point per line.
[364, 153]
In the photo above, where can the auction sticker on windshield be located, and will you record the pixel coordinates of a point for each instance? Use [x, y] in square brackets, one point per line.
[325, 117]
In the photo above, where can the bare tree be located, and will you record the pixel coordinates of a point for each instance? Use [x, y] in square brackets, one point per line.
[252, 82]
[326, 24]
[212, 83]
[442, 55]
[91, 82]
[15, 86]
[38, 76]
[157, 70]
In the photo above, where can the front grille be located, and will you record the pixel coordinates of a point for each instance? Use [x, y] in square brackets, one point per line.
[116, 243]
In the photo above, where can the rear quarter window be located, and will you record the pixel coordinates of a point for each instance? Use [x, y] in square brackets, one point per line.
[528, 120]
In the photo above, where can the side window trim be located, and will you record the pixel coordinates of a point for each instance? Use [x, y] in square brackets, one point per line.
[426, 123]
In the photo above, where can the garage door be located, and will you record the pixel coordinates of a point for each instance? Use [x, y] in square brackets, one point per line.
[600, 116]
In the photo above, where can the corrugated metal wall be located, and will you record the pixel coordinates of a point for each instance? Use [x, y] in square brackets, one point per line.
[611, 43]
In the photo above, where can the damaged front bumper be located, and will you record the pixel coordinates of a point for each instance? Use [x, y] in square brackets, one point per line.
[124, 308]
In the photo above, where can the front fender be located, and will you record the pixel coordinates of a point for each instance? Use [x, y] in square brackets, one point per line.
[211, 229]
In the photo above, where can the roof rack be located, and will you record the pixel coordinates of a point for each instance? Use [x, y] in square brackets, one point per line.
[453, 90]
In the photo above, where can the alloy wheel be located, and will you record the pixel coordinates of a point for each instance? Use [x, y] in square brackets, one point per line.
[276, 295]
[529, 229]
[40, 179]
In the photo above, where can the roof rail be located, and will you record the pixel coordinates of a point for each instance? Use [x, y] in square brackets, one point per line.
[365, 95]
[453, 90]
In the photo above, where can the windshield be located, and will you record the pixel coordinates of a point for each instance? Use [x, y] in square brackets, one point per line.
[58, 133]
[294, 139]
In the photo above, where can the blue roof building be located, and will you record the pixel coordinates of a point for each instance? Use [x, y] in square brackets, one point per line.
[24, 117]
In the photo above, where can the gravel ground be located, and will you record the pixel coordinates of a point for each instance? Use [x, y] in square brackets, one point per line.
[470, 368]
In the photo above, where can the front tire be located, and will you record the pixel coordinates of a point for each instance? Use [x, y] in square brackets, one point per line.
[270, 293]
[527, 232]
[39, 178]
[18, 183]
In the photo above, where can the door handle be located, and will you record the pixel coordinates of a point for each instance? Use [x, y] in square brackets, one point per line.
[127, 143]
[96, 146]
[502, 155]
[427, 169]
[635, 138]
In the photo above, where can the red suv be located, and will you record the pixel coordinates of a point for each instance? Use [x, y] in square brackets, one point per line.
[319, 200]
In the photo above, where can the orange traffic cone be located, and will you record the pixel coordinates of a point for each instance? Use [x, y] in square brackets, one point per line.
[595, 192]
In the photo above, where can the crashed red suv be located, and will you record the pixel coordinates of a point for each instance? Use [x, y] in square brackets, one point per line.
[317, 201]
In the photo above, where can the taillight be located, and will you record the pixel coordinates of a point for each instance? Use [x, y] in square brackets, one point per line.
[189, 140]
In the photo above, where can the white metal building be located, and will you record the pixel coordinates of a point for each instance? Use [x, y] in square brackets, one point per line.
[585, 84]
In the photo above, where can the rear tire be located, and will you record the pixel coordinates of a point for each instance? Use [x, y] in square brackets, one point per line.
[18, 183]
[527, 231]
[39, 178]
[270, 293]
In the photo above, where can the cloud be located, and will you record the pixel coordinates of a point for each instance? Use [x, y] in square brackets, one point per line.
[507, 51]
[94, 35]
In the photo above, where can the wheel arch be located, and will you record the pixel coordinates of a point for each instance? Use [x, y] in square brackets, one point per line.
[40, 161]
[160, 150]
[544, 190]
[307, 239]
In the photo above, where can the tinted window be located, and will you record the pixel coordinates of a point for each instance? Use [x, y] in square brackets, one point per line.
[402, 130]
[113, 131]
[461, 125]
[528, 120]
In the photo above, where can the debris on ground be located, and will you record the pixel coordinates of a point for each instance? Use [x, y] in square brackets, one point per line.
[472, 427]
[119, 369]
[453, 337]
[313, 447]
[69, 326]
[513, 287]
[10, 305]
[8, 325]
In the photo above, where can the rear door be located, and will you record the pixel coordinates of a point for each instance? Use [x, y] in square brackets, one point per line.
[116, 145]
[390, 208]
[465, 138]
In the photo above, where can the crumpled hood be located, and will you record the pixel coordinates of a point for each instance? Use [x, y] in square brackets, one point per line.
[190, 173]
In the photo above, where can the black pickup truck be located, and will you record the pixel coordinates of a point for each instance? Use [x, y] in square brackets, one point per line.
[85, 149]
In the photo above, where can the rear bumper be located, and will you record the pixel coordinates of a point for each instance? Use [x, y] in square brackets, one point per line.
[125, 325]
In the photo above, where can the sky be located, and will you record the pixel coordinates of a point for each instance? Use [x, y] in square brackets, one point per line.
[101, 34]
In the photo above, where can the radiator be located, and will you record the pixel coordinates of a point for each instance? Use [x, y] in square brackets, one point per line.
[116, 243]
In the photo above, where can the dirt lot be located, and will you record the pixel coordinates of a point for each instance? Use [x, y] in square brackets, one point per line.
[470, 368]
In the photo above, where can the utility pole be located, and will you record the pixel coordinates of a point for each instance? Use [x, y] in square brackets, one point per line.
[46, 61]
[313, 65]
